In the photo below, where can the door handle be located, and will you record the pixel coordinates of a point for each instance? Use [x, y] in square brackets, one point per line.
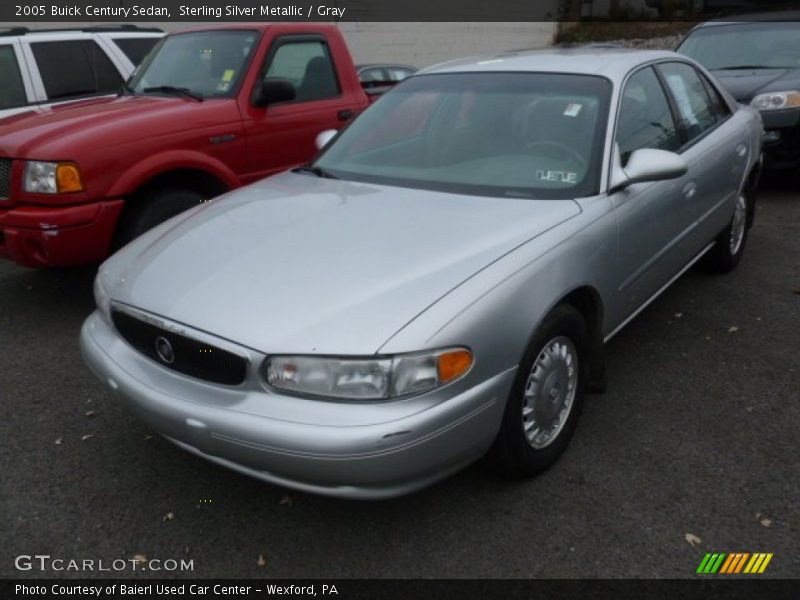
[690, 190]
[741, 150]
[345, 114]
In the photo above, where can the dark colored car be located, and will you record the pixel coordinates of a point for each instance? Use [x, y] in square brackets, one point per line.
[758, 61]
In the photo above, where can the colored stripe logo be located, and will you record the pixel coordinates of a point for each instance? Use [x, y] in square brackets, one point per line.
[734, 563]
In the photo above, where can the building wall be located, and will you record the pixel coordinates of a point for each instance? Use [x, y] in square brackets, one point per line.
[418, 44]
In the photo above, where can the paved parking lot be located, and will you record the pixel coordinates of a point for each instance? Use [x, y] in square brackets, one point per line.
[698, 434]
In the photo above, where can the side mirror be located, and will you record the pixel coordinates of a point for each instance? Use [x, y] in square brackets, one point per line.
[274, 90]
[324, 138]
[645, 165]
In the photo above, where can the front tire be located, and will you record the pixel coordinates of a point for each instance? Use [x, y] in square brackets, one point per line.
[545, 402]
[147, 212]
[730, 245]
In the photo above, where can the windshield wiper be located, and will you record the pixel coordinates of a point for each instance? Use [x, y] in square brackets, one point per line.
[175, 91]
[318, 171]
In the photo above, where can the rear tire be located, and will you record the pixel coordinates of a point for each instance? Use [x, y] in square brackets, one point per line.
[543, 407]
[730, 245]
[154, 209]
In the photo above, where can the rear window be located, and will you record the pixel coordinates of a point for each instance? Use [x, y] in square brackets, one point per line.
[75, 68]
[136, 48]
[12, 90]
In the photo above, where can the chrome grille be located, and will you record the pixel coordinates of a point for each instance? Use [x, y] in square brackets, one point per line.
[5, 178]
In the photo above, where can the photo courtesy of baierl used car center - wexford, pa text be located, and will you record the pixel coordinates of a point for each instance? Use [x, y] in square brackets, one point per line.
[371, 299]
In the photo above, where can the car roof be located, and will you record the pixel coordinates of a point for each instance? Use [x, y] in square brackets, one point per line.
[776, 16]
[609, 61]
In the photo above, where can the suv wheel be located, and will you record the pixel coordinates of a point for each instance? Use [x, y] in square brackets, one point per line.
[154, 209]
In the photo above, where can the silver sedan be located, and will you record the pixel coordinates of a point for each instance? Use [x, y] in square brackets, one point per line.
[438, 285]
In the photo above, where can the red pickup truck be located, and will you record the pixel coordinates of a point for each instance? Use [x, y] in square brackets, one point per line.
[210, 109]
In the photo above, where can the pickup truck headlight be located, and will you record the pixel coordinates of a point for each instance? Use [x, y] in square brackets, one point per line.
[776, 100]
[52, 177]
[379, 378]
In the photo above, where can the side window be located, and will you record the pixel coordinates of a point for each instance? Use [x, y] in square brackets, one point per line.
[645, 119]
[136, 48]
[308, 66]
[696, 110]
[719, 106]
[12, 90]
[75, 68]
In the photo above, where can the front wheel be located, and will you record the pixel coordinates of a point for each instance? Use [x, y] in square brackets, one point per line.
[729, 247]
[153, 209]
[543, 407]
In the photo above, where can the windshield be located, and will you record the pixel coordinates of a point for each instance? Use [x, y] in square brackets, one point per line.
[764, 45]
[208, 63]
[498, 134]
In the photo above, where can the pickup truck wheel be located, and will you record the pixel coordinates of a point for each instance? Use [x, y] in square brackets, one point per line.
[729, 248]
[543, 408]
[153, 209]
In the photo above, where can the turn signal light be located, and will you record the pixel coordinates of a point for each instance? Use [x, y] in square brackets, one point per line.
[453, 364]
[68, 178]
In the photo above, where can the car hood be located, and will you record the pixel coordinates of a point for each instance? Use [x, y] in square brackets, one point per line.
[306, 265]
[54, 133]
[744, 85]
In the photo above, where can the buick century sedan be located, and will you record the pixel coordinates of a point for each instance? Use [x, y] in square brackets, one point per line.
[437, 286]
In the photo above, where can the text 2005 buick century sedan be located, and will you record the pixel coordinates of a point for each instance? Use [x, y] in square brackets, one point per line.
[439, 283]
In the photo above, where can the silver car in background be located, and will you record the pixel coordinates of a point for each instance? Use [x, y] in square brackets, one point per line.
[439, 283]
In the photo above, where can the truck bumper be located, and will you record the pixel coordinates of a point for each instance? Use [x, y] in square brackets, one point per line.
[46, 236]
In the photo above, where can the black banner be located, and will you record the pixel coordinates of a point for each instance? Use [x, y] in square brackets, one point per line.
[733, 588]
[128, 11]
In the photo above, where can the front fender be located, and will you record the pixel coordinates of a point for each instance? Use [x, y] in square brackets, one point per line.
[164, 162]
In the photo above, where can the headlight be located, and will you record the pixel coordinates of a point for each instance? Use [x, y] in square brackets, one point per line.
[776, 100]
[101, 298]
[52, 178]
[377, 378]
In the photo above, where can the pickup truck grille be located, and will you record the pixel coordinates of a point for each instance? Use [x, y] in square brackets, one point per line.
[188, 356]
[5, 178]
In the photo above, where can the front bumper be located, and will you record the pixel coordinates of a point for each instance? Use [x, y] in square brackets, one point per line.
[46, 236]
[363, 450]
[782, 139]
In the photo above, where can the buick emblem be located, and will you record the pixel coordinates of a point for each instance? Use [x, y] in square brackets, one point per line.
[164, 350]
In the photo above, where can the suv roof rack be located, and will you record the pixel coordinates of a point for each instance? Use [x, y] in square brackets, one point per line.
[125, 27]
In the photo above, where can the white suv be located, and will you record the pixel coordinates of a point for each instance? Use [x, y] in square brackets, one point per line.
[44, 67]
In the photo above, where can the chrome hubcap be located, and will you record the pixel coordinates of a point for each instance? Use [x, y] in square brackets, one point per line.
[550, 392]
[738, 224]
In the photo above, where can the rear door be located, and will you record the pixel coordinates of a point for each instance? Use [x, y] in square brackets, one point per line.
[283, 135]
[714, 146]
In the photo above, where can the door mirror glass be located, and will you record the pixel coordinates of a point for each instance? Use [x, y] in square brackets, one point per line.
[324, 138]
[273, 91]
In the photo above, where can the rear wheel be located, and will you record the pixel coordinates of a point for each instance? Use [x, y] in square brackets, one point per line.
[543, 407]
[730, 245]
[151, 210]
